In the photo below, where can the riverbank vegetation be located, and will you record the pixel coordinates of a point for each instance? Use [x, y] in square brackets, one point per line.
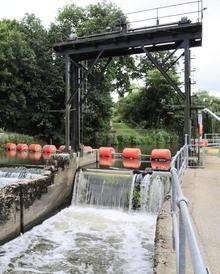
[17, 138]
[32, 88]
[124, 135]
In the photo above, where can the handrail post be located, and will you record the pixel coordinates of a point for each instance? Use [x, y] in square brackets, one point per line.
[182, 245]
[185, 230]
[187, 144]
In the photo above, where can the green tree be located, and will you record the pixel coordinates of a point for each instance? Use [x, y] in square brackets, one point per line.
[150, 107]
[203, 99]
[17, 60]
[86, 21]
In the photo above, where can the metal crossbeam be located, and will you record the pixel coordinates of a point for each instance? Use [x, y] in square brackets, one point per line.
[87, 74]
[174, 62]
[97, 79]
[172, 53]
[163, 72]
[79, 65]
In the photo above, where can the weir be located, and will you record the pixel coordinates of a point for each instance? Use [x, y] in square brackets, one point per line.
[100, 232]
[120, 189]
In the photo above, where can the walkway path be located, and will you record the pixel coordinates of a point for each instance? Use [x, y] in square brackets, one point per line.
[202, 188]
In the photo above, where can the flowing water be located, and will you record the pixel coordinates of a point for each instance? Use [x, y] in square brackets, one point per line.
[10, 175]
[97, 234]
[84, 240]
[105, 189]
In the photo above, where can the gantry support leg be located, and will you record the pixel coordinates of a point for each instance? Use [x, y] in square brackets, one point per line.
[187, 83]
[67, 106]
[76, 138]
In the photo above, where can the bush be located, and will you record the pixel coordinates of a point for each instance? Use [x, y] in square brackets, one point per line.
[126, 136]
[17, 138]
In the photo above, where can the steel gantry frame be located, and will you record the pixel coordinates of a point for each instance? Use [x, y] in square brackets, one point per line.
[147, 40]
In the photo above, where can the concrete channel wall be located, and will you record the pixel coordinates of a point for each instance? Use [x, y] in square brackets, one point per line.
[26, 204]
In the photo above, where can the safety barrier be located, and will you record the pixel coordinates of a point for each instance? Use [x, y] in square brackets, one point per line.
[183, 230]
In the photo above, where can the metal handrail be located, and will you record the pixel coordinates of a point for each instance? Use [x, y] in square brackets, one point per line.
[196, 7]
[183, 230]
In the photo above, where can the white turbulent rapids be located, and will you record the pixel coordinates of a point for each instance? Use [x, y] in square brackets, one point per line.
[10, 175]
[84, 240]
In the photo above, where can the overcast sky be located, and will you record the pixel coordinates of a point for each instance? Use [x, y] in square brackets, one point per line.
[207, 58]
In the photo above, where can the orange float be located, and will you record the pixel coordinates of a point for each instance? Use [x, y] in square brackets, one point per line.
[22, 147]
[49, 149]
[106, 151]
[11, 146]
[160, 166]
[131, 153]
[11, 153]
[35, 147]
[106, 161]
[160, 155]
[203, 143]
[46, 156]
[160, 159]
[36, 156]
[23, 154]
[131, 163]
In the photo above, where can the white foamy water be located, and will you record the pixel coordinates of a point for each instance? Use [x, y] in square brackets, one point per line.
[84, 240]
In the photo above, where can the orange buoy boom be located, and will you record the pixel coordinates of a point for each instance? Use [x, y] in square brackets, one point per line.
[35, 148]
[36, 156]
[106, 161]
[11, 153]
[160, 166]
[22, 147]
[22, 154]
[106, 151]
[203, 143]
[49, 149]
[131, 163]
[10, 146]
[160, 159]
[160, 155]
[131, 153]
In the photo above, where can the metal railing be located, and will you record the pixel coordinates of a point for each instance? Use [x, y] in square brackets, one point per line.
[182, 227]
[213, 139]
[188, 10]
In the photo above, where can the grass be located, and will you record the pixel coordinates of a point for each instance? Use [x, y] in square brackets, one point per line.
[125, 129]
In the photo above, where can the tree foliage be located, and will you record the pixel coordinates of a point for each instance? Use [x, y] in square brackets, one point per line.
[150, 107]
[203, 99]
[32, 80]
[32, 86]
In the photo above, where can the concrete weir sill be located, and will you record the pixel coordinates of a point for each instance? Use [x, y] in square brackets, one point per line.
[28, 203]
[164, 256]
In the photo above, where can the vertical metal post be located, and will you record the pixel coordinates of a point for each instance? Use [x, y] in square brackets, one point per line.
[82, 75]
[67, 106]
[182, 245]
[187, 150]
[173, 211]
[187, 82]
[76, 108]
[157, 22]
